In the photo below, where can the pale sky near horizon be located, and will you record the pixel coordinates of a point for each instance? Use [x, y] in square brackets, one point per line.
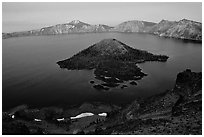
[28, 16]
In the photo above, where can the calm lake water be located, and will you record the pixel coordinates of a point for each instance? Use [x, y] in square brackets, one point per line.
[31, 75]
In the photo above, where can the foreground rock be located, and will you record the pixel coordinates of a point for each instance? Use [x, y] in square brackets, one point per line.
[113, 61]
[178, 111]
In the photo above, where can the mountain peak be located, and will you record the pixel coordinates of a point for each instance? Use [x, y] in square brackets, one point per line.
[185, 20]
[110, 46]
[165, 21]
[75, 22]
[78, 23]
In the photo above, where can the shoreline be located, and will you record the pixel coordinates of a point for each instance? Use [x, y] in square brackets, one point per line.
[82, 33]
[141, 111]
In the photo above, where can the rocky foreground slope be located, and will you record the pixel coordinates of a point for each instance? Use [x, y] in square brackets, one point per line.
[183, 29]
[114, 62]
[177, 111]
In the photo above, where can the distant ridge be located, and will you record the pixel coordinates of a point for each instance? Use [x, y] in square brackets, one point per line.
[183, 29]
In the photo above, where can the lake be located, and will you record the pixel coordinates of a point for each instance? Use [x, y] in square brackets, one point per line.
[31, 76]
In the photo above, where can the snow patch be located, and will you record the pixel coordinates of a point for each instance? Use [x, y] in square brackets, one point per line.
[103, 114]
[13, 116]
[82, 115]
[117, 78]
[37, 120]
[107, 77]
[60, 119]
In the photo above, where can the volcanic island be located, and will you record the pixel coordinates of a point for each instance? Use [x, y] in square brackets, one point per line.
[113, 62]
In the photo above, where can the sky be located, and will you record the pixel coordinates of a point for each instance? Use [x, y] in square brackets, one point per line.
[28, 16]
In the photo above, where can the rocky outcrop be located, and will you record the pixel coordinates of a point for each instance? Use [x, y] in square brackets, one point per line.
[161, 27]
[113, 61]
[183, 29]
[133, 26]
[177, 111]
